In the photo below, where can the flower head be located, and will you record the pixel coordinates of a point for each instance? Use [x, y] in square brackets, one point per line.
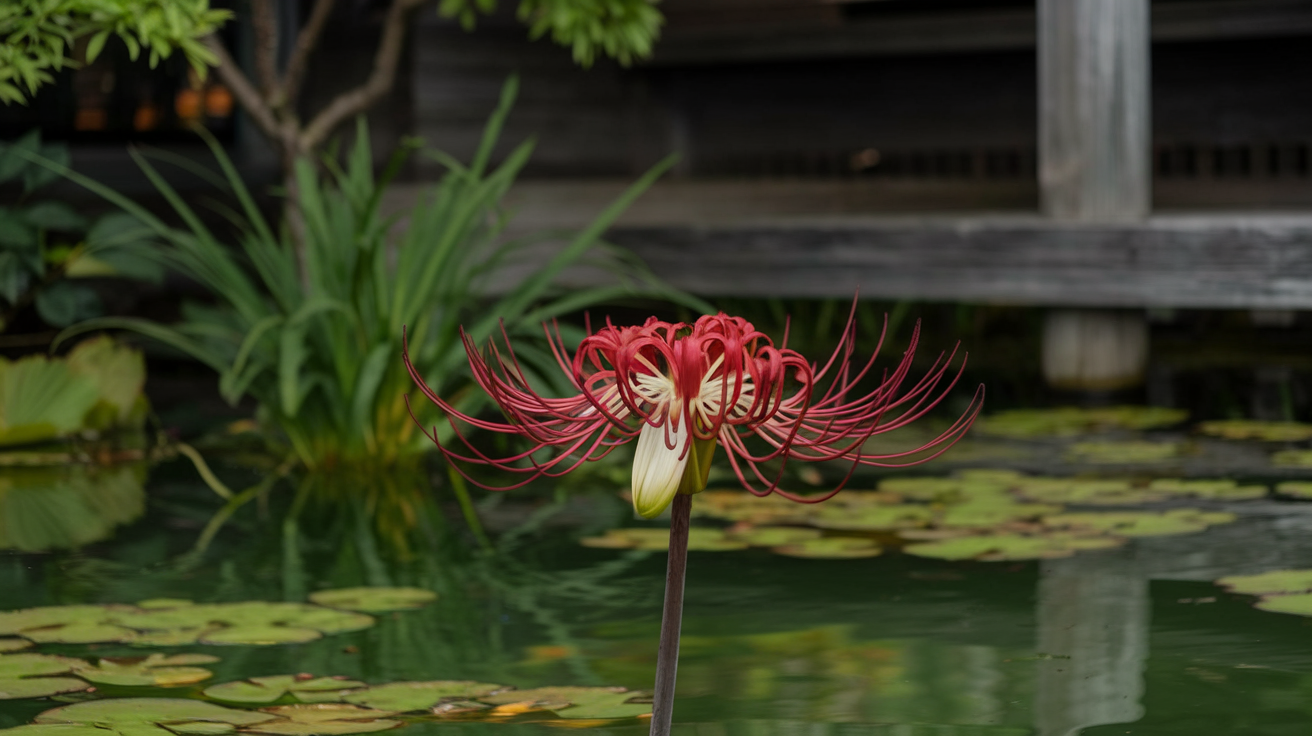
[682, 390]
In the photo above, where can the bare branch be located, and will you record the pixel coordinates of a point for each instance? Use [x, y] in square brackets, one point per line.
[264, 22]
[306, 41]
[242, 89]
[355, 101]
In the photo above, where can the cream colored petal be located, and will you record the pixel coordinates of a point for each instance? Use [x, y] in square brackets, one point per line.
[657, 469]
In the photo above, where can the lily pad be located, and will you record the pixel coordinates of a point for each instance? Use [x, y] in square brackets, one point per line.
[13, 645]
[176, 623]
[699, 540]
[156, 670]
[151, 710]
[874, 518]
[29, 675]
[922, 489]
[831, 548]
[270, 689]
[1000, 547]
[739, 505]
[1295, 488]
[773, 536]
[1139, 523]
[1068, 421]
[257, 635]
[1123, 453]
[201, 728]
[1281, 582]
[1299, 605]
[326, 719]
[373, 599]
[577, 702]
[1251, 429]
[990, 512]
[402, 697]
[1220, 489]
[1292, 458]
[1092, 492]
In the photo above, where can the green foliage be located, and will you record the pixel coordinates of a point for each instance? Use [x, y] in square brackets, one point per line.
[622, 29]
[96, 388]
[46, 246]
[39, 35]
[319, 348]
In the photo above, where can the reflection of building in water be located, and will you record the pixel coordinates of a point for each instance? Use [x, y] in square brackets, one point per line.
[1093, 615]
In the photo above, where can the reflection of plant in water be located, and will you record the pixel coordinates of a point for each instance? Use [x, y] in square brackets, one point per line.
[830, 674]
[67, 506]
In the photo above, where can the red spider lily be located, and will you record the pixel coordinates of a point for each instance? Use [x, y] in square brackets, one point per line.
[682, 389]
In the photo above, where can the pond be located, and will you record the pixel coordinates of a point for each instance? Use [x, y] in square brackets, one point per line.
[1132, 638]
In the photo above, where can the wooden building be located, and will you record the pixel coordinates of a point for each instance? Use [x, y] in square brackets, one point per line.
[1059, 152]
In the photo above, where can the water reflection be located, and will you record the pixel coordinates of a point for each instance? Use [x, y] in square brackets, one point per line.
[1098, 643]
[63, 507]
[1093, 618]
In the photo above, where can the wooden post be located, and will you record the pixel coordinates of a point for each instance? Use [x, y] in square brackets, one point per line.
[1094, 110]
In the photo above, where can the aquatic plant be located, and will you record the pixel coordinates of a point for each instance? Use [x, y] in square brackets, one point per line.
[316, 345]
[680, 391]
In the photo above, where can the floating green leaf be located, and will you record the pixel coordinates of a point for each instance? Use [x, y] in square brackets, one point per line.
[1292, 458]
[260, 635]
[1219, 489]
[375, 599]
[922, 489]
[156, 670]
[403, 697]
[1139, 523]
[1067, 421]
[1299, 605]
[831, 548]
[699, 540]
[325, 719]
[874, 518]
[1093, 492]
[13, 645]
[1252, 429]
[151, 710]
[1123, 453]
[251, 622]
[29, 675]
[1280, 582]
[577, 702]
[1295, 488]
[999, 547]
[773, 536]
[272, 688]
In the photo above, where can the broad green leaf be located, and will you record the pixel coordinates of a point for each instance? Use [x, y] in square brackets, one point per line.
[53, 215]
[62, 303]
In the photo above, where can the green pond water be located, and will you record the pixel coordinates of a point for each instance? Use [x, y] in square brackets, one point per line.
[1130, 640]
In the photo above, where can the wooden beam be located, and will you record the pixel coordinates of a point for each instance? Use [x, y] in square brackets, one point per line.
[962, 32]
[1095, 138]
[1249, 261]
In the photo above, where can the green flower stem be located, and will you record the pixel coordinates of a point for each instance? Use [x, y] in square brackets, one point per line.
[667, 656]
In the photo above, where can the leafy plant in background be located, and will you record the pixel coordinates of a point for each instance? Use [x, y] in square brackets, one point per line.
[39, 35]
[46, 245]
[318, 349]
